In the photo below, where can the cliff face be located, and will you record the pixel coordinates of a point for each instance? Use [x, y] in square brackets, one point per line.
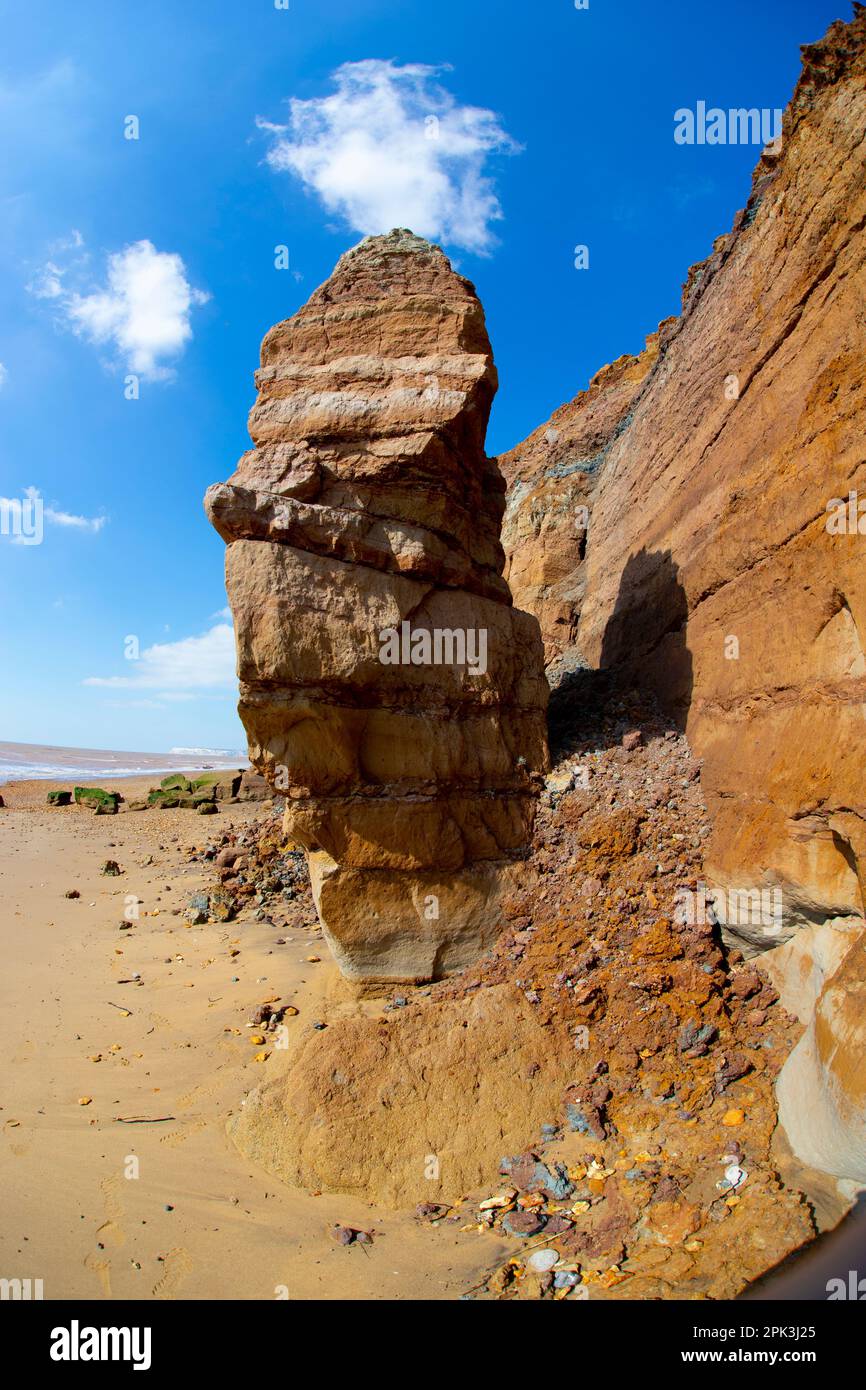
[722, 571]
[552, 479]
[388, 686]
[679, 530]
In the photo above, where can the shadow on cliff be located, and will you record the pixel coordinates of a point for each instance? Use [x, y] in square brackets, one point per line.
[644, 679]
[820, 1269]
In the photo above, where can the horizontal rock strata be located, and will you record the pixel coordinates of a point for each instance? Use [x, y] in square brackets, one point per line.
[388, 686]
[552, 477]
[724, 565]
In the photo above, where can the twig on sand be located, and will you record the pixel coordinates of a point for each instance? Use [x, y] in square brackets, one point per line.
[142, 1119]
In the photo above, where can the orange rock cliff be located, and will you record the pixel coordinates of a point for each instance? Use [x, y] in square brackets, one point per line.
[682, 520]
[678, 528]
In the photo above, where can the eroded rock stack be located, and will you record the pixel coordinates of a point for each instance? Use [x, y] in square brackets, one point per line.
[388, 686]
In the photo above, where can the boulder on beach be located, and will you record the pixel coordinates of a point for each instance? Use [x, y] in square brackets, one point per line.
[176, 782]
[225, 783]
[96, 799]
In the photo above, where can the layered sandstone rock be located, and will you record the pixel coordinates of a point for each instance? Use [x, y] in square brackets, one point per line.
[822, 1087]
[721, 568]
[388, 686]
[710, 566]
[551, 479]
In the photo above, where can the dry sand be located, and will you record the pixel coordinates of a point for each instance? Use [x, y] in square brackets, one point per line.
[199, 1221]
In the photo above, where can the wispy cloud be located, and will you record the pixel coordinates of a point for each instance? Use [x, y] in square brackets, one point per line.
[94, 524]
[392, 147]
[32, 90]
[44, 119]
[142, 312]
[4, 376]
[24, 516]
[67, 257]
[180, 670]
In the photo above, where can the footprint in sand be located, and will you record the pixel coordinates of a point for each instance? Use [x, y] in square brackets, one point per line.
[177, 1266]
[102, 1269]
[205, 1091]
[180, 1136]
[111, 1232]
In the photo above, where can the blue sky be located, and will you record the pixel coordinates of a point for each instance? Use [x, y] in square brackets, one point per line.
[155, 257]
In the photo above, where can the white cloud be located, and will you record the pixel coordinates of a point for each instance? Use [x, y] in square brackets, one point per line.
[175, 669]
[143, 311]
[48, 282]
[24, 516]
[4, 376]
[79, 523]
[392, 148]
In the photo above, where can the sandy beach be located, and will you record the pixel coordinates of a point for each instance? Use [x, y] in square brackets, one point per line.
[139, 1193]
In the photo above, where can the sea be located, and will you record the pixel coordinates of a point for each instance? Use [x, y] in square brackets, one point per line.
[20, 762]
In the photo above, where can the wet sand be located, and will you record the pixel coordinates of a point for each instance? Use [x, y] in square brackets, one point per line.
[199, 1221]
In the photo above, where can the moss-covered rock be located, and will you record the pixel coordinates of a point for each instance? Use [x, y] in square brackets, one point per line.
[163, 799]
[59, 798]
[225, 784]
[176, 782]
[96, 797]
[205, 791]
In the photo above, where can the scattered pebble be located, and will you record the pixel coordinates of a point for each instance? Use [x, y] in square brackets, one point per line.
[542, 1261]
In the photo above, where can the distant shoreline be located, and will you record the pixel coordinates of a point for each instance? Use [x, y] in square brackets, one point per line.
[26, 762]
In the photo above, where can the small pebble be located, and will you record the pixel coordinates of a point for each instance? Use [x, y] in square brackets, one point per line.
[542, 1261]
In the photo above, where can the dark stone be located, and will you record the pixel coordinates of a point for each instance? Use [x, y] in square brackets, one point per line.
[524, 1223]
